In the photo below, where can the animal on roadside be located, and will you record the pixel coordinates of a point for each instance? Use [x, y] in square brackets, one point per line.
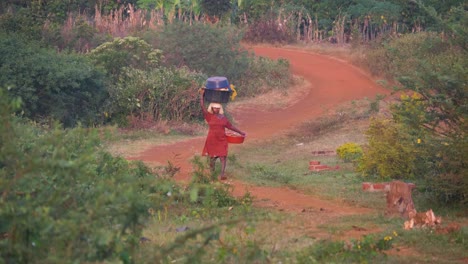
[399, 199]
[423, 219]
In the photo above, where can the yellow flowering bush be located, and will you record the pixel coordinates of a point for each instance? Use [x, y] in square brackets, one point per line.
[349, 152]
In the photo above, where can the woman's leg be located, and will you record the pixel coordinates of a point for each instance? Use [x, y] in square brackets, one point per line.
[223, 167]
[212, 163]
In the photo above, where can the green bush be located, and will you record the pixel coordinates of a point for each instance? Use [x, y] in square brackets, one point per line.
[21, 22]
[142, 90]
[204, 191]
[377, 61]
[389, 155]
[445, 170]
[214, 51]
[349, 152]
[63, 198]
[161, 94]
[264, 75]
[122, 53]
[62, 87]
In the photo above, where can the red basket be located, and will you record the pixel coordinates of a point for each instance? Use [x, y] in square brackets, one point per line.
[234, 138]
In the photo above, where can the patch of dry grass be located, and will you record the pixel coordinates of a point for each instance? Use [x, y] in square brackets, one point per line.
[276, 99]
[330, 138]
[348, 120]
[131, 142]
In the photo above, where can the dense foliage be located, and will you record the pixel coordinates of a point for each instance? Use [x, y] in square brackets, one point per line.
[390, 153]
[57, 86]
[336, 21]
[140, 88]
[128, 79]
[62, 197]
[122, 53]
[212, 50]
[428, 125]
[156, 95]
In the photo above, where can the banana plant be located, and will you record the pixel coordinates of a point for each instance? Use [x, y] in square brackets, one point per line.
[170, 9]
[194, 10]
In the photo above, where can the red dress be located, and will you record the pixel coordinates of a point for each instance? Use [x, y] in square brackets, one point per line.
[216, 144]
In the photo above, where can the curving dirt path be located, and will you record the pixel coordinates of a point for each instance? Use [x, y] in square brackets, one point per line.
[331, 82]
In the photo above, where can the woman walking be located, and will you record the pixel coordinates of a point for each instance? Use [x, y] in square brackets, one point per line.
[216, 145]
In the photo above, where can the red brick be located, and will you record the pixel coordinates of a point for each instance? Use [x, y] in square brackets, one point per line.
[366, 185]
[322, 167]
[318, 167]
[379, 186]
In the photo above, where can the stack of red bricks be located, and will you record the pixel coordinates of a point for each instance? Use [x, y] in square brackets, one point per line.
[315, 165]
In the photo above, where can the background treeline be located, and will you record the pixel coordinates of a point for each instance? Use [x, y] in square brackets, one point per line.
[92, 63]
[82, 24]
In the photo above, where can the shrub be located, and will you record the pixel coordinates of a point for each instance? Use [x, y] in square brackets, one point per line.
[211, 195]
[389, 154]
[377, 61]
[264, 75]
[165, 94]
[445, 175]
[63, 87]
[349, 152]
[122, 53]
[142, 88]
[215, 51]
[62, 198]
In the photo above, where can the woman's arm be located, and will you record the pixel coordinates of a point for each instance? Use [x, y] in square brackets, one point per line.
[235, 129]
[202, 100]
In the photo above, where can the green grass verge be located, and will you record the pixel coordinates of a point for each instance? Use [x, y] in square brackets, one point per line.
[200, 233]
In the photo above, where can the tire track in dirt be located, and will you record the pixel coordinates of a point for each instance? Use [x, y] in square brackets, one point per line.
[332, 82]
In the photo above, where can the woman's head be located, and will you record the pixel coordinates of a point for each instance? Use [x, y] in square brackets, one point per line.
[215, 108]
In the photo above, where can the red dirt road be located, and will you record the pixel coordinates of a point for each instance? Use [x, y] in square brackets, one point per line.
[332, 82]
